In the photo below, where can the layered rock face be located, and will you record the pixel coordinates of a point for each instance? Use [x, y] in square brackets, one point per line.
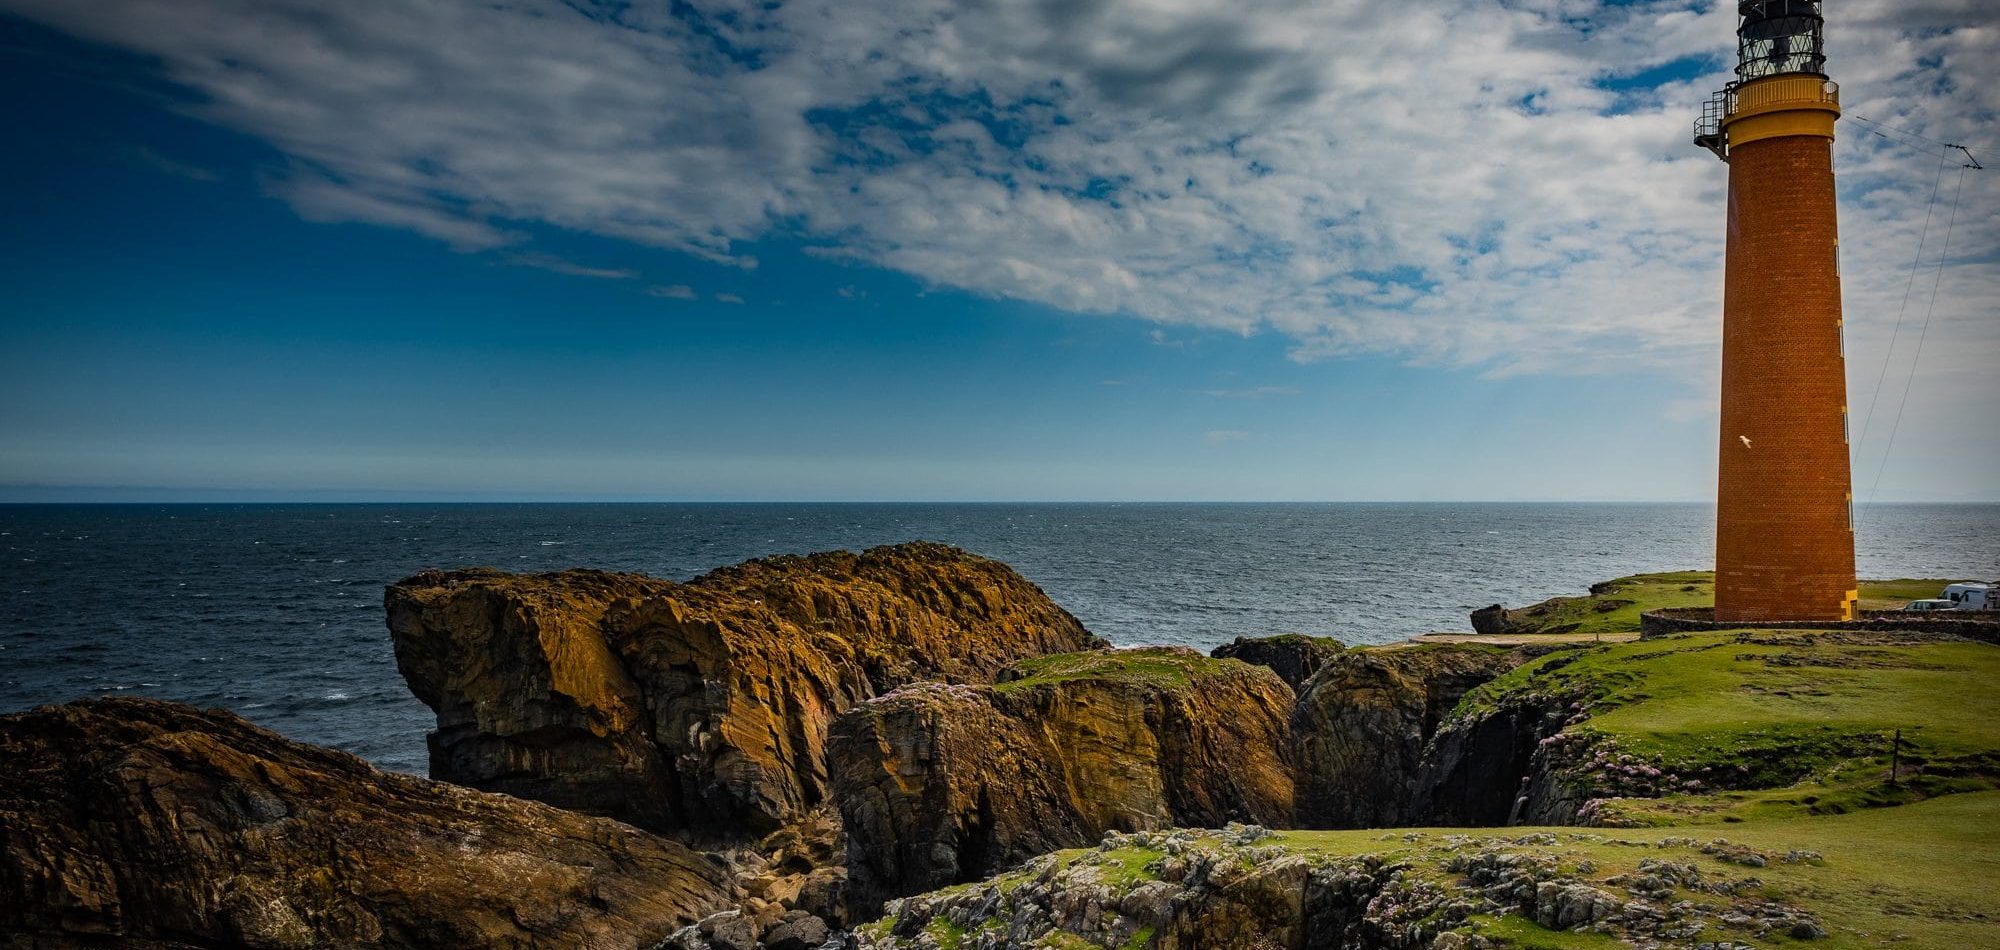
[137, 823]
[1492, 767]
[1363, 725]
[939, 784]
[700, 706]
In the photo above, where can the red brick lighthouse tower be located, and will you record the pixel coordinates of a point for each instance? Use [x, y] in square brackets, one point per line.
[1784, 547]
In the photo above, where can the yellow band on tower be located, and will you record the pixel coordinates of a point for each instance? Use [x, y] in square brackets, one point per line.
[1777, 106]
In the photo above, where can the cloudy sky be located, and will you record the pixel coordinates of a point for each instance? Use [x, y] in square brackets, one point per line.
[1042, 249]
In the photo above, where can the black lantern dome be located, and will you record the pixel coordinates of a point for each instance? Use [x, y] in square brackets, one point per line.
[1775, 37]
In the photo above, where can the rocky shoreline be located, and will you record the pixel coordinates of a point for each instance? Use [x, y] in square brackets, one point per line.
[907, 747]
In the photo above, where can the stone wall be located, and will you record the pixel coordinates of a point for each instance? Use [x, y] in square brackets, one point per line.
[1974, 625]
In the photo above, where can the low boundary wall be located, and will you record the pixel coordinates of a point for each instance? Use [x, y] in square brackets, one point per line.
[1974, 625]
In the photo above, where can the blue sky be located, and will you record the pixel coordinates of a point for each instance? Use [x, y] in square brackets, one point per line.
[914, 288]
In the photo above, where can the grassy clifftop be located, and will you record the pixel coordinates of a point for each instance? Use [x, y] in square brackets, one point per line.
[1614, 606]
[1740, 788]
[1764, 724]
[1162, 667]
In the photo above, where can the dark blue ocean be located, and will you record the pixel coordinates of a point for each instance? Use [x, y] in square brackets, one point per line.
[275, 610]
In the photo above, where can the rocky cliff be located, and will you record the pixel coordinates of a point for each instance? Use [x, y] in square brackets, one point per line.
[1295, 657]
[133, 823]
[698, 707]
[939, 784]
[1364, 722]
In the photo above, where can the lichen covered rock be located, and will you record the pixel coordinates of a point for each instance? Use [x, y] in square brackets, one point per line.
[699, 707]
[939, 784]
[147, 824]
[1242, 888]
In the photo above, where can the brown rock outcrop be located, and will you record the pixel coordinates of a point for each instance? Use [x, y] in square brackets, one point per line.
[1294, 656]
[1363, 722]
[939, 784]
[700, 706]
[136, 823]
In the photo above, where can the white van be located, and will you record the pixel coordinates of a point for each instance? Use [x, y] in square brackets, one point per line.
[1972, 596]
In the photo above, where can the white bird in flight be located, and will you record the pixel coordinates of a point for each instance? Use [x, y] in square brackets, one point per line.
[1746, 440]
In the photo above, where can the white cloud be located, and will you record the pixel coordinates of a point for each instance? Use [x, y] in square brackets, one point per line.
[672, 291]
[1446, 183]
[557, 265]
[728, 298]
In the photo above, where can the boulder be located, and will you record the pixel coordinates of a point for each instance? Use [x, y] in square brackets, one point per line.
[940, 783]
[699, 707]
[138, 823]
[1294, 656]
[1494, 619]
[799, 931]
[1363, 722]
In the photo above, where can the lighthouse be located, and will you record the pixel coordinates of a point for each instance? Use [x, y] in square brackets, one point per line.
[1784, 546]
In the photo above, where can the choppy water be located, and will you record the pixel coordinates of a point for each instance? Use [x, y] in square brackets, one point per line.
[275, 610]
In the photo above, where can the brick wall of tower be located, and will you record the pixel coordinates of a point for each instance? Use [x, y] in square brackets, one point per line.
[1784, 540]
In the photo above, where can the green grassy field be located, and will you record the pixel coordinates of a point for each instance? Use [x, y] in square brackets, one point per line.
[1779, 723]
[1919, 877]
[1615, 606]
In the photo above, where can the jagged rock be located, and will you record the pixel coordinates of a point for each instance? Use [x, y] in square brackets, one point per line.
[1561, 906]
[939, 783]
[700, 706]
[823, 894]
[797, 870]
[139, 823]
[1209, 892]
[1363, 722]
[1179, 889]
[1294, 656]
[801, 932]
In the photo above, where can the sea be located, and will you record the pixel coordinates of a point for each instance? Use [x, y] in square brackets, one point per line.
[275, 611]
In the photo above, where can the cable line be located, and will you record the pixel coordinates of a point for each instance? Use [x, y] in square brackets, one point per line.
[1868, 421]
[1937, 142]
[1936, 284]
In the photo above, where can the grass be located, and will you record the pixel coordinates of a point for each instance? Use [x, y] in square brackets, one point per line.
[1780, 722]
[1614, 606]
[1893, 595]
[1132, 866]
[1155, 666]
[947, 934]
[1520, 932]
[1919, 877]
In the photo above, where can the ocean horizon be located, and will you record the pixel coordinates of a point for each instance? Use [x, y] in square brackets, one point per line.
[273, 609]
